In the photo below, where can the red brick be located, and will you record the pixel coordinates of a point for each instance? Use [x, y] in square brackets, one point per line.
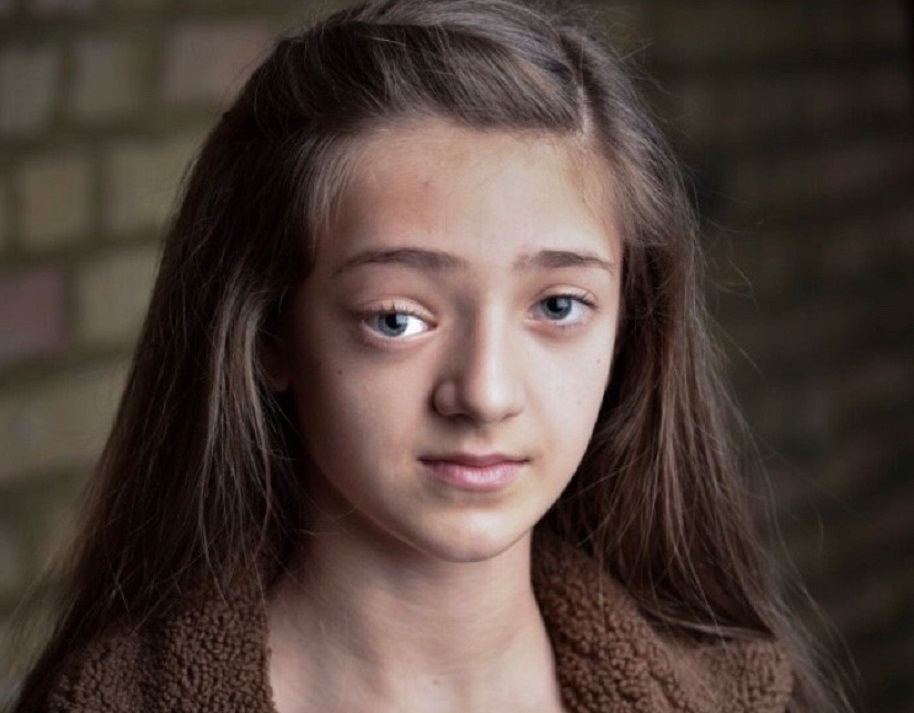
[112, 292]
[895, 522]
[731, 112]
[109, 77]
[867, 244]
[877, 23]
[792, 489]
[838, 471]
[140, 180]
[860, 604]
[897, 232]
[29, 86]
[697, 105]
[685, 32]
[827, 175]
[4, 217]
[54, 194]
[138, 4]
[852, 169]
[12, 565]
[57, 424]
[889, 91]
[61, 7]
[208, 63]
[883, 379]
[31, 314]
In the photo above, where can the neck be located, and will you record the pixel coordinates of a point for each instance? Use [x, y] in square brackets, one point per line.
[369, 623]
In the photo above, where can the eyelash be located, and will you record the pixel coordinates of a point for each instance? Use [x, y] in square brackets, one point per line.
[366, 317]
[581, 298]
[392, 308]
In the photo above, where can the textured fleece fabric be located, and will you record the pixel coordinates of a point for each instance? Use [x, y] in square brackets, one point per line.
[609, 658]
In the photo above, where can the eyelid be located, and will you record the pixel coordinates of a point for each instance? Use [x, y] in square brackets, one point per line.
[365, 314]
[582, 297]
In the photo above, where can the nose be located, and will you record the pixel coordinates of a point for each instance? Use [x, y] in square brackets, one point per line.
[481, 376]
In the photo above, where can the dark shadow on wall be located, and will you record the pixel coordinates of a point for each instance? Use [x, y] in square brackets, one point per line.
[796, 121]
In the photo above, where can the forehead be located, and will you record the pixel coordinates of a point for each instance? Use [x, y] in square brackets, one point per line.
[481, 190]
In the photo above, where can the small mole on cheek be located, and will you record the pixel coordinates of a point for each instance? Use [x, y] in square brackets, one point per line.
[339, 372]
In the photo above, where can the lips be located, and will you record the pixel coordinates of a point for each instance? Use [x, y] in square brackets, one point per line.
[475, 472]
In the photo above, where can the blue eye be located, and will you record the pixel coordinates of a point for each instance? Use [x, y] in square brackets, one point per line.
[563, 308]
[557, 307]
[395, 324]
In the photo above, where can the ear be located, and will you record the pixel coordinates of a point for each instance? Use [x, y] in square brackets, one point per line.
[276, 360]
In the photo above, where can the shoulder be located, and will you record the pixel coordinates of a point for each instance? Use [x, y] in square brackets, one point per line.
[99, 675]
[210, 655]
[610, 657]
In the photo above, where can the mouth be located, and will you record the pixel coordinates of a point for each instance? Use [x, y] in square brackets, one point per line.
[486, 472]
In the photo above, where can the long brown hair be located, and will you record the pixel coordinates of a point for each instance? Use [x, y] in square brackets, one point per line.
[200, 480]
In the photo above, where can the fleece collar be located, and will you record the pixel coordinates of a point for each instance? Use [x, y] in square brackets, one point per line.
[609, 659]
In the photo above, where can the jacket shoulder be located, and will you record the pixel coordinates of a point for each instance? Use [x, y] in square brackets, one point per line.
[609, 656]
[209, 656]
[100, 676]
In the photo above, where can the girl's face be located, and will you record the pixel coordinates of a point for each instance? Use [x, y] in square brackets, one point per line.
[449, 352]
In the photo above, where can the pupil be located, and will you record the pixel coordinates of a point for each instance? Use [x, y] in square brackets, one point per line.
[394, 323]
[558, 306]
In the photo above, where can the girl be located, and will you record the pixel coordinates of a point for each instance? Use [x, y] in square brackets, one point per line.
[424, 414]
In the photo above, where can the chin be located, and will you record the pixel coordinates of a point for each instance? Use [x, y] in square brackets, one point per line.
[471, 542]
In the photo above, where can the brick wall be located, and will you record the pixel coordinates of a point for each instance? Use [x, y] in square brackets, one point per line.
[795, 119]
[102, 103]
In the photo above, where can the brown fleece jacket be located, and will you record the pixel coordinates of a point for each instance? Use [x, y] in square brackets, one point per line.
[609, 659]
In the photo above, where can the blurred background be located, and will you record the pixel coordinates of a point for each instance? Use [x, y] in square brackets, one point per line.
[795, 122]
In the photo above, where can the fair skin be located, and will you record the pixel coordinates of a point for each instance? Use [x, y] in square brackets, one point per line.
[447, 358]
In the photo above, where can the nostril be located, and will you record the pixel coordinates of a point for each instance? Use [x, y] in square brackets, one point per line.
[483, 396]
[480, 378]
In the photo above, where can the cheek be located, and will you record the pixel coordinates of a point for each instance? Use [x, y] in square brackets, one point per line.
[574, 396]
[576, 399]
[350, 412]
[326, 399]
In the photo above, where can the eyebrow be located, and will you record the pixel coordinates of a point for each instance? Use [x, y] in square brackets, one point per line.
[554, 259]
[441, 261]
[419, 258]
